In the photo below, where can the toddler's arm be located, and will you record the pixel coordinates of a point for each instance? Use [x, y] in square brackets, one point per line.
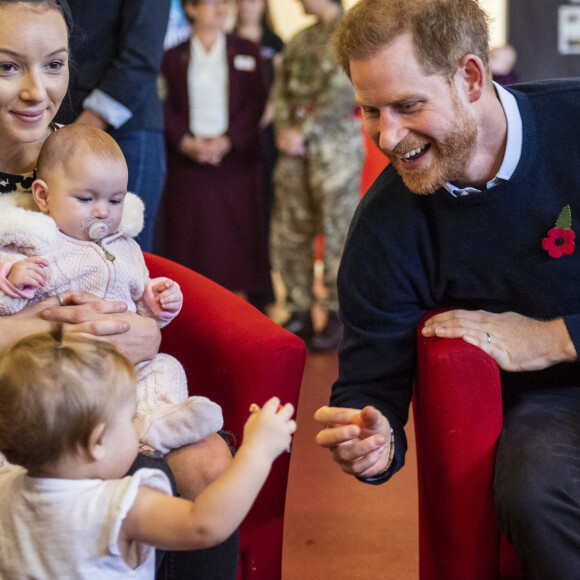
[164, 298]
[177, 524]
[22, 278]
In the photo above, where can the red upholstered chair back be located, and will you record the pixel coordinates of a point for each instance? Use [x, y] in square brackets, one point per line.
[375, 162]
[236, 356]
[458, 419]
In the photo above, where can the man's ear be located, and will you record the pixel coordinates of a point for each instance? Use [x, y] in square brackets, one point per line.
[95, 446]
[40, 194]
[472, 76]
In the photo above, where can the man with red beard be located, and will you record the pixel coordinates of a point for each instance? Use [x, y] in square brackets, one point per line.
[463, 218]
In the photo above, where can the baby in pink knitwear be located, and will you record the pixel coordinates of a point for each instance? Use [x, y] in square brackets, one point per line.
[82, 240]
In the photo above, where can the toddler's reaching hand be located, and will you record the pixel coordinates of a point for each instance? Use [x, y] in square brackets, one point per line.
[269, 430]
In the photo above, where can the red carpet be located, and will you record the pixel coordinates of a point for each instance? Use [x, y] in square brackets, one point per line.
[335, 527]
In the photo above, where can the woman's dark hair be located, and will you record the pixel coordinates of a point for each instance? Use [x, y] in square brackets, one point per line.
[60, 5]
[185, 3]
[65, 9]
[266, 23]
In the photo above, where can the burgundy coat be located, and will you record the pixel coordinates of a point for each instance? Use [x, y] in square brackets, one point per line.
[211, 218]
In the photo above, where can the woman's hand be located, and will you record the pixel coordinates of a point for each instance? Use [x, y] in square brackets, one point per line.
[191, 147]
[207, 151]
[215, 149]
[138, 337]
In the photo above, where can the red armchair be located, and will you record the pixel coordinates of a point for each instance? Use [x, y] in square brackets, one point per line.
[236, 356]
[458, 418]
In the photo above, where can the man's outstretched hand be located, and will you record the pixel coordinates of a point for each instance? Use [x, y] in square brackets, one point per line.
[360, 441]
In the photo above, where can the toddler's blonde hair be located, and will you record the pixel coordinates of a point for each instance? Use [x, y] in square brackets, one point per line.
[54, 390]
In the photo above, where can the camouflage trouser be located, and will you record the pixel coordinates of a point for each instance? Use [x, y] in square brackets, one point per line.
[312, 197]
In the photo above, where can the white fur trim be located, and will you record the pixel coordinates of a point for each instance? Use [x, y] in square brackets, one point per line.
[21, 220]
[133, 215]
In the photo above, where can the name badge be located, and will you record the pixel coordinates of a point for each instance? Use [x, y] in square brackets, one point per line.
[244, 62]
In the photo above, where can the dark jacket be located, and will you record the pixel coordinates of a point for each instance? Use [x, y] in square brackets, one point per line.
[117, 46]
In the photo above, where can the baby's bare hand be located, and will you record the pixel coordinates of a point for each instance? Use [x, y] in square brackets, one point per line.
[168, 295]
[29, 273]
[171, 298]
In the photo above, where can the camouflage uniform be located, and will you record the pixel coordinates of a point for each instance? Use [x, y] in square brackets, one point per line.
[317, 193]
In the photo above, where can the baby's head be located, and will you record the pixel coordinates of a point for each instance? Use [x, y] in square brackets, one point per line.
[67, 396]
[81, 182]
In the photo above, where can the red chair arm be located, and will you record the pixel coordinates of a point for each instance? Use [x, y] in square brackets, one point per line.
[458, 419]
[236, 356]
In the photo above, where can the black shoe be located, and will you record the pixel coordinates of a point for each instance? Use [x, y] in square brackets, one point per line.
[300, 324]
[329, 337]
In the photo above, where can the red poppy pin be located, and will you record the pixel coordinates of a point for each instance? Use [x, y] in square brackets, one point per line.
[560, 239]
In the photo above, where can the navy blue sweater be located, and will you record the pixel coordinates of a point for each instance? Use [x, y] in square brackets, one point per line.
[409, 253]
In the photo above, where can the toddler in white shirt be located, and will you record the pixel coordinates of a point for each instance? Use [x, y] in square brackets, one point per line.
[66, 426]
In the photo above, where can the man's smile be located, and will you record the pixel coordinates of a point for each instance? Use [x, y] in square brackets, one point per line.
[416, 153]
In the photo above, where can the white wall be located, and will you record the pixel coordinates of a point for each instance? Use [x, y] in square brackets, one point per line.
[288, 17]
[497, 11]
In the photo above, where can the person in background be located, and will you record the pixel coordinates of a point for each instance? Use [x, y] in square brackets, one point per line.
[66, 511]
[476, 214]
[502, 60]
[117, 47]
[212, 215]
[317, 176]
[254, 23]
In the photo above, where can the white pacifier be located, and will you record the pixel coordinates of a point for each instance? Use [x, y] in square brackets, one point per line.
[95, 228]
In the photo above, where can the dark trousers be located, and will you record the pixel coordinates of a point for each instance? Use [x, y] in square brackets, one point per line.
[217, 563]
[537, 482]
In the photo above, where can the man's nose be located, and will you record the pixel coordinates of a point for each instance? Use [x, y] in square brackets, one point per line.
[392, 130]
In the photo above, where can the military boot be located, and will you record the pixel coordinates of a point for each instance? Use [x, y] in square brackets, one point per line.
[300, 324]
[329, 337]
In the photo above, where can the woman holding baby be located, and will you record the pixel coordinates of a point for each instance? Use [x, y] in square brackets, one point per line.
[34, 72]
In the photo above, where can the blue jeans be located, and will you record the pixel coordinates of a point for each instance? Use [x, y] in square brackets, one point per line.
[145, 155]
[537, 482]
